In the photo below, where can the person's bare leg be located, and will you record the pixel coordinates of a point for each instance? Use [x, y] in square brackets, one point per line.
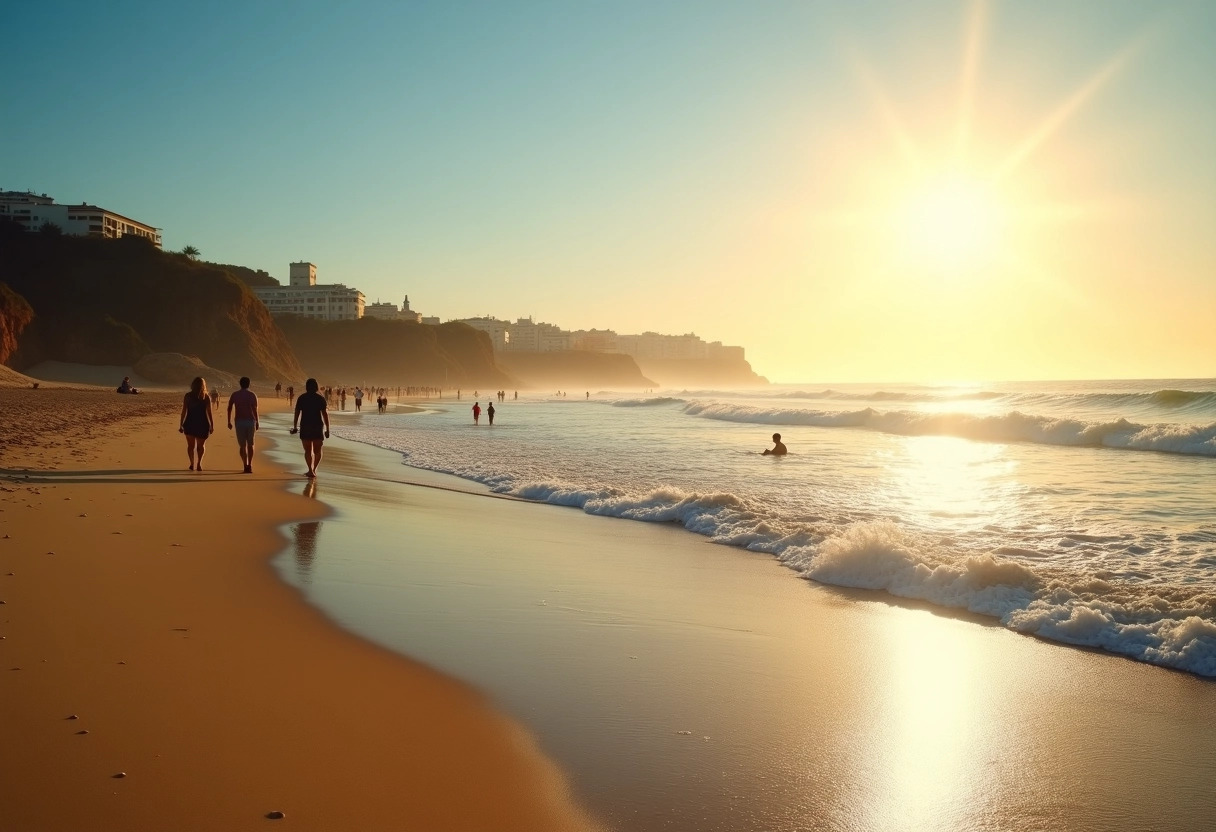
[308, 456]
[190, 450]
[316, 457]
[202, 446]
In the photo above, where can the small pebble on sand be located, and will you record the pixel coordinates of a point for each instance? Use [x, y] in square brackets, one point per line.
[120, 775]
[85, 731]
[73, 716]
[275, 815]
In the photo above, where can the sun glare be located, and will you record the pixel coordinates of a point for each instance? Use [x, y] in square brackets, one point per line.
[951, 225]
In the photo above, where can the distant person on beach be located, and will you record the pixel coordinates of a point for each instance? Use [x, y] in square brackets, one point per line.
[778, 449]
[291, 395]
[476, 411]
[196, 421]
[278, 388]
[246, 405]
[490, 411]
[312, 423]
[126, 387]
[358, 399]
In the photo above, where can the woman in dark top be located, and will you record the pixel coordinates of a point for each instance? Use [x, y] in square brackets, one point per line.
[196, 421]
[312, 423]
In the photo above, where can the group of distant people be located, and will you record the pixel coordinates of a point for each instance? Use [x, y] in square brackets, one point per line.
[311, 420]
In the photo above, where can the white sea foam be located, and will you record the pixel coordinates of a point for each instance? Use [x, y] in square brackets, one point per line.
[1107, 551]
[1199, 440]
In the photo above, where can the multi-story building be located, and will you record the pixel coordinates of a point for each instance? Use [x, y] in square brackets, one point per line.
[35, 210]
[527, 335]
[389, 311]
[304, 296]
[499, 331]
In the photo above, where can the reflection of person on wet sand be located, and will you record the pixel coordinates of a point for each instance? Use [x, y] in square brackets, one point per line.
[779, 450]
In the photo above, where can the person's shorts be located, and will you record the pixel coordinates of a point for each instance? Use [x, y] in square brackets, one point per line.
[312, 434]
[244, 431]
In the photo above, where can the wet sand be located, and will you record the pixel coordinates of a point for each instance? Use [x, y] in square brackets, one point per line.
[688, 686]
[144, 634]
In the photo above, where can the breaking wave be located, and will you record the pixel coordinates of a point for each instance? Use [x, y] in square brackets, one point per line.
[654, 401]
[1199, 440]
[1172, 626]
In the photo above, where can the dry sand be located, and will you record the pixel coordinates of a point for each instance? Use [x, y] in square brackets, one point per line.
[144, 634]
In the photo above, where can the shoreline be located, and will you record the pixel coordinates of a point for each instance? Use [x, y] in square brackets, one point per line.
[686, 685]
[222, 696]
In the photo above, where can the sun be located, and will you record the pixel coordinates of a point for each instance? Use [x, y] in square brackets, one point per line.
[951, 224]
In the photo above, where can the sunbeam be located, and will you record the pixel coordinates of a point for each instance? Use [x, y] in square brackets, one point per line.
[1062, 113]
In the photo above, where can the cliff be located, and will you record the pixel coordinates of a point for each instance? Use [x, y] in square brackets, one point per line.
[15, 315]
[575, 369]
[100, 301]
[701, 372]
[394, 353]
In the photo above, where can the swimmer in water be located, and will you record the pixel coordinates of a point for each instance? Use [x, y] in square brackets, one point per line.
[778, 450]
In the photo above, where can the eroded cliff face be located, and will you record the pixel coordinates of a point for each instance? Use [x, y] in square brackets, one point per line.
[98, 301]
[393, 353]
[15, 315]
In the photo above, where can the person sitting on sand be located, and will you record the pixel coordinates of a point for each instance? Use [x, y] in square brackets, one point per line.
[196, 421]
[779, 450]
[126, 387]
[311, 413]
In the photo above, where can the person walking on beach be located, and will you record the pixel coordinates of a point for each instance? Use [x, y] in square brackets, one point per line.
[358, 399]
[291, 395]
[245, 402]
[476, 411]
[490, 411]
[196, 421]
[778, 449]
[278, 388]
[311, 415]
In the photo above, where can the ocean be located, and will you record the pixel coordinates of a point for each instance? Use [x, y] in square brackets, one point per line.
[1080, 512]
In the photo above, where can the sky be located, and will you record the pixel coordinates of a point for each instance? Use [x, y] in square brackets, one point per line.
[873, 191]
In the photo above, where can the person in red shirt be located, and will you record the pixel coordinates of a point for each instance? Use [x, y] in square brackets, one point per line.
[245, 403]
[476, 411]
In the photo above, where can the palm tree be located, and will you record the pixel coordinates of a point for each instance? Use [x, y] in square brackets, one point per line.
[191, 252]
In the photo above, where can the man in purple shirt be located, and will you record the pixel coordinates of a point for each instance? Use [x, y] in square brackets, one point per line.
[246, 405]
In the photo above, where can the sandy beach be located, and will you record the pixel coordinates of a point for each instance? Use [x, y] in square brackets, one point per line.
[688, 686]
[563, 667]
[144, 635]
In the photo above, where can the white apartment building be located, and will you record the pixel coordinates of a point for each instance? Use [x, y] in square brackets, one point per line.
[528, 336]
[389, 311]
[84, 220]
[304, 296]
[499, 331]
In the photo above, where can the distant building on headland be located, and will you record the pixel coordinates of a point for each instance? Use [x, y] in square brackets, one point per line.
[304, 296]
[526, 335]
[389, 311]
[36, 210]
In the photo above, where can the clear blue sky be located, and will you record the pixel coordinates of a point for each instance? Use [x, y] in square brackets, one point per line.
[723, 168]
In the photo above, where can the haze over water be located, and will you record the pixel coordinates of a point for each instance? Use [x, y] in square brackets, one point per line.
[1080, 512]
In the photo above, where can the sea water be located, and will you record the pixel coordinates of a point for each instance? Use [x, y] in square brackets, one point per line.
[1083, 512]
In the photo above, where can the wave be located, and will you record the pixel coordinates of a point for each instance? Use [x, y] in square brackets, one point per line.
[890, 396]
[1171, 626]
[1198, 440]
[650, 402]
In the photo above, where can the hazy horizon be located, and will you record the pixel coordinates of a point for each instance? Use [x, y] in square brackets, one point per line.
[914, 192]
